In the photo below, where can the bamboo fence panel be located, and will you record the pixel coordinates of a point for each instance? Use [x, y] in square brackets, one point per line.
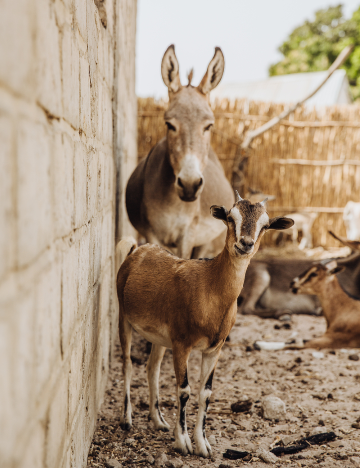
[309, 161]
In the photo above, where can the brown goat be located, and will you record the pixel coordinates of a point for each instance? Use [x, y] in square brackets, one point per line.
[341, 311]
[185, 305]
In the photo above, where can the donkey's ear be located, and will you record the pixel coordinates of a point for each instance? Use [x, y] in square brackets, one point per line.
[170, 70]
[280, 223]
[214, 72]
[219, 212]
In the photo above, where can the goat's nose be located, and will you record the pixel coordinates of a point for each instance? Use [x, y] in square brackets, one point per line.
[248, 243]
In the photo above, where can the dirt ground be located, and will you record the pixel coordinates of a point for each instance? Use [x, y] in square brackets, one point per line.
[321, 392]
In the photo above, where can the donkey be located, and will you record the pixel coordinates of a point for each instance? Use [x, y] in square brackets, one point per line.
[185, 305]
[169, 192]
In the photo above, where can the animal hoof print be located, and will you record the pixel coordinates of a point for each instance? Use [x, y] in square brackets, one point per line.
[125, 426]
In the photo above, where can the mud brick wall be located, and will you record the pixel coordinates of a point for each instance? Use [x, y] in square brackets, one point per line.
[67, 144]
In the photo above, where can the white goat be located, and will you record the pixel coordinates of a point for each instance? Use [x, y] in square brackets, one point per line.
[351, 217]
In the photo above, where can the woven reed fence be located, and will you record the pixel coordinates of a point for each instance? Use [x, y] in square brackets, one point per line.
[310, 162]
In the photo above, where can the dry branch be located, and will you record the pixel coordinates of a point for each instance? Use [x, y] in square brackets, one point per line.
[259, 131]
[309, 162]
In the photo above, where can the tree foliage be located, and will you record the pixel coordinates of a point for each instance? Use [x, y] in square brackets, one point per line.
[315, 45]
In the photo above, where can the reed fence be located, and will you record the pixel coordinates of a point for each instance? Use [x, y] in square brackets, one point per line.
[310, 162]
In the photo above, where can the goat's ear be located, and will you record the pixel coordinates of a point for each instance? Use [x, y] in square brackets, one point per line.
[219, 212]
[280, 223]
[214, 72]
[170, 70]
[336, 270]
[354, 245]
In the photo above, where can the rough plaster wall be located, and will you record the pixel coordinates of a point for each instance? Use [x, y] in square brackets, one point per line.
[57, 219]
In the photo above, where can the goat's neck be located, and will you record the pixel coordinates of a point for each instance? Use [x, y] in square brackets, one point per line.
[228, 274]
[331, 295]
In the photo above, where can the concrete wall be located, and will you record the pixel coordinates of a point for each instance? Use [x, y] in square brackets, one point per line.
[67, 121]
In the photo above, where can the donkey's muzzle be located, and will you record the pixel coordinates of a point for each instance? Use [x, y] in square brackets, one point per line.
[189, 192]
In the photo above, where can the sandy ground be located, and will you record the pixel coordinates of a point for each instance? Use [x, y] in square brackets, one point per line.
[318, 391]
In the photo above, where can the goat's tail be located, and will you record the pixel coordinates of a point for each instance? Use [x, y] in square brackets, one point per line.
[123, 249]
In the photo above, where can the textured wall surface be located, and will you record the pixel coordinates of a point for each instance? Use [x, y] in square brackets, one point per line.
[67, 102]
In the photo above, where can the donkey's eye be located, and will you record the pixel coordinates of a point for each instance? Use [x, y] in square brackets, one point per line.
[170, 126]
[206, 129]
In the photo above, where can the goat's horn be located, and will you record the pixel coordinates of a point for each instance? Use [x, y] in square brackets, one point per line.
[263, 203]
[238, 198]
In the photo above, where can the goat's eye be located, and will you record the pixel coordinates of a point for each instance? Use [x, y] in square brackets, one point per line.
[206, 129]
[170, 126]
[313, 275]
[230, 220]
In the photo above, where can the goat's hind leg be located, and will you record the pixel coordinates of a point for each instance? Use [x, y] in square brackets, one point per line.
[209, 360]
[153, 372]
[125, 332]
[182, 440]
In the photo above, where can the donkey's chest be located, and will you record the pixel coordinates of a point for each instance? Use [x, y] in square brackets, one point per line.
[171, 225]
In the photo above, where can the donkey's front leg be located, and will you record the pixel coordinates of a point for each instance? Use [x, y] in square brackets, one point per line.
[153, 372]
[182, 439]
[209, 360]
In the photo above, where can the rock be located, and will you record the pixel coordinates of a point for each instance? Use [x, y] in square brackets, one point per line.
[285, 318]
[266, 456]
[273, 408]
[150, 459]
[355, 461]
[112, 463]
[241, 406]
[318, 430]
[231, 428]
[287, 440]
[212, 439]
[161, 459]
[129, 441]
[175, 463]
[353, 357]
[318, 354]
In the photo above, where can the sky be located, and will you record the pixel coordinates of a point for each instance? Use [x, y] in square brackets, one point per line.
[249, 33]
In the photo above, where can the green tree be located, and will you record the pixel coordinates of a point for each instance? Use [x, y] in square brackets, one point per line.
[315, 45]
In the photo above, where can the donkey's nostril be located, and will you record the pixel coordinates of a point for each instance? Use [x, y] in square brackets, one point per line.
[201, 182]
[180, 183]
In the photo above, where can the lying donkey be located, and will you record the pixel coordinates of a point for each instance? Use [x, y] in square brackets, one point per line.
[185, 305]
[169, 193]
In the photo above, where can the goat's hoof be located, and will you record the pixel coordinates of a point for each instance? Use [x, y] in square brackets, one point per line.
[125, 426]
[183, 445]
[203, 449]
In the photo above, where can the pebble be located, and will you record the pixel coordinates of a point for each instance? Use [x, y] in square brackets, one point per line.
[355, 461]
[129, 441]
[112, 463]
[175, 463]
[150, 459]
[266, 456]
[285, 318]
[161, 459]
[212, 439]
[318, 354]
[232, 428]
[318, 430]
[273, 408]
[353, 357]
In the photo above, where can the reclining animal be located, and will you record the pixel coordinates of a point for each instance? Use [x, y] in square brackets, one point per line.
[266, 290]
[185, 305]
[341, 310]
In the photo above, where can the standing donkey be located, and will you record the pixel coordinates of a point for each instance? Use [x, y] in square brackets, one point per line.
[169, 193]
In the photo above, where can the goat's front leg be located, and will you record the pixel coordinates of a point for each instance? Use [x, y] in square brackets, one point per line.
[209, 360]
[153, 372]
[182, 439]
